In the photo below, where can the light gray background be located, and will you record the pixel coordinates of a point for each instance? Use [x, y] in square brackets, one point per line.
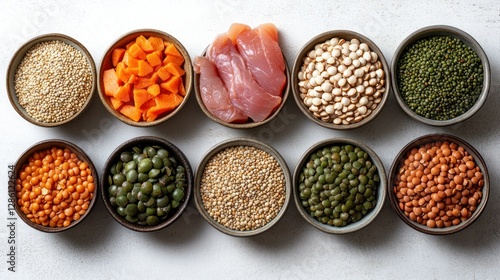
[100, 248]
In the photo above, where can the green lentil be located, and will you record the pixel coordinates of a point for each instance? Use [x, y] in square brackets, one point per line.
[146, 185]
[439, 77]
[349, 195]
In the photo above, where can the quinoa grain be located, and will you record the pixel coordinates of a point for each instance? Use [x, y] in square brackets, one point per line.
[53, 81]
[243, 188]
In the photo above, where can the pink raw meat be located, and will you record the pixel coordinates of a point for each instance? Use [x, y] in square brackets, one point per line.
[245, 93]
[214, 94]
[262, 54]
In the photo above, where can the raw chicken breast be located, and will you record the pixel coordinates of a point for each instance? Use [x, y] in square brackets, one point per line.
[245, 93]
[214, 94]
[262, 54]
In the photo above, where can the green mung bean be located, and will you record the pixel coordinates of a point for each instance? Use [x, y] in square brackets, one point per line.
[439, 77]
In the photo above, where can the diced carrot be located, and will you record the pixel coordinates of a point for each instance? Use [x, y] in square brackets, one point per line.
[167, 102]
[143, 82]
[144, 43]
[129, 60]
[172, 50]
[146, 106]
[154, 89]
[153, 59]
[140, 97]
[133, 79]
[172, 84]
[175, 69]
[182, 89]
[146, 79]
[115, 103]
[133, 70]
[123, 93]
[157, 43]
[122, 73]
[163, 73]
[144, 68]
[154, 78]
[136, 51]
[117, 56]
[173, 59]
[131, 112]
[110, 82]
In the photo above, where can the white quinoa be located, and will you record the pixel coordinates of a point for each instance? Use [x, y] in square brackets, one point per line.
[53, 81]
[243, 188]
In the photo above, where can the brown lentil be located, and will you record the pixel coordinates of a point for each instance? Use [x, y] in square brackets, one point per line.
[439, 184]
[53, 81]
[243, 188]
[341, 81]
[54, 188]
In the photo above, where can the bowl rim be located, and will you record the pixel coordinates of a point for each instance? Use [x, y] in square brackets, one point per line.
[433, 137]
[381, 190]
[47, 144]
[241, 141]
[120, 41]
[247, 125]
[144, 141]
[439, 30]
[18, 57]
[342, 34]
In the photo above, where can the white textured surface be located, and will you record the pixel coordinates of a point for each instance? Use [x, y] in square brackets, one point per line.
[388, 249]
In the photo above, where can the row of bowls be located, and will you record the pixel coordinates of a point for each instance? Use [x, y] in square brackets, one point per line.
[385, 188]
[192, 80]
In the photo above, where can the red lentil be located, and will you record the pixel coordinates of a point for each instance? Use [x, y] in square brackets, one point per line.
[439, 184]
[50, 192]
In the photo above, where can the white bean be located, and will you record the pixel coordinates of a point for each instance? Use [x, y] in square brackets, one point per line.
[329, 109]
[347, 73]
[367, 56]
[338, 106]
[345, 101]
[380, 73]
[337, 91]
[347, 61]
[341, 68]
[336, 53]
[316, 101]
[374, 57]
[320, 67]
[331, 70]
[326, 86]
[359, 73]
[327, 96]
[362, 110]
[356, 63]
[363, 100]
[342, 82]
[364, 47]
[352, 80]
[360, 88]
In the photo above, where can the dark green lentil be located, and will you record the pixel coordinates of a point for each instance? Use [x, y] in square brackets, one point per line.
[146, 185]
[439, 77]
[338, 184]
